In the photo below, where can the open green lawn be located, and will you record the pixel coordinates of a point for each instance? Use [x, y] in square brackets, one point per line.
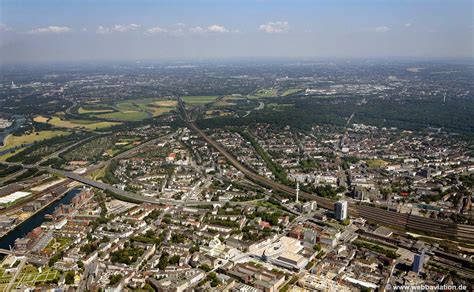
[199, 99]
[13, 141]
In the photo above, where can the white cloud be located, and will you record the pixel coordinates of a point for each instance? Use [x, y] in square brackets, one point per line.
[117, 28]
[50, 29]
[217, 28]
[156, 29]
[382, 28]
[102, 30]
[177, 32]
[408, 24]
[197, 29]
[125, 27]
[274, 27]
[4, 28]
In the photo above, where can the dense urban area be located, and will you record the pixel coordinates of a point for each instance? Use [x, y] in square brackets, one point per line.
[237, 176]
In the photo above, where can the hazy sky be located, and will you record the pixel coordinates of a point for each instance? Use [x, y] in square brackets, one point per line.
[59, 30]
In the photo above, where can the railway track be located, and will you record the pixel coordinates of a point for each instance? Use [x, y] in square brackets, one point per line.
[440, 228]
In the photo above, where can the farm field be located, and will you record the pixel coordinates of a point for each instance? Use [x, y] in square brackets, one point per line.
[57, 122]
[14, 141]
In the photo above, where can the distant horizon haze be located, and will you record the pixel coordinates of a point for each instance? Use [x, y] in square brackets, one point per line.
[57, 31]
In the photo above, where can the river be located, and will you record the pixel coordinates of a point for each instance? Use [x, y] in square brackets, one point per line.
[35, 220]
[19, 120]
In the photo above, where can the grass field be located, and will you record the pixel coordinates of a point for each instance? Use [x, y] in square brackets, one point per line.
[166, 103]
[15, 141]
[266, 92]
[158, 111]
[10, 154]
[83, 110]
[229, 100]
[72, 124]
[375, 163]
[290, 91]
[131, 110]
[128, 115]
[150, 105]
[279, 106]
[199, 99]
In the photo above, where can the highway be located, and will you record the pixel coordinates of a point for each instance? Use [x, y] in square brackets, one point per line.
[101, 185]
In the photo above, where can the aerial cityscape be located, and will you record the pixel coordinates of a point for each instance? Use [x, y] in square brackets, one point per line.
[133, 158]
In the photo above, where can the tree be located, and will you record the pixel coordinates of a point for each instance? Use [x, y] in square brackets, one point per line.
[163, 261]
[214, 280]
[317, 247]
[69, 277]
[174, 260]
[114, 279]
[80, 264]
[205, 268]
[194, 248]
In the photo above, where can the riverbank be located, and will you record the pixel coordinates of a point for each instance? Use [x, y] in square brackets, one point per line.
[19, 120]
[37, 218]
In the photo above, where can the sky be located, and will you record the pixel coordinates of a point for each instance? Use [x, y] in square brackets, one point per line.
[77, 30]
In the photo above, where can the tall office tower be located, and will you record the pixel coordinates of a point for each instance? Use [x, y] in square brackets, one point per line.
[340, 210]
[418, 262]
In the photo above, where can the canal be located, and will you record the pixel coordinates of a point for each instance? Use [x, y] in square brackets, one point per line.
[35, 220]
